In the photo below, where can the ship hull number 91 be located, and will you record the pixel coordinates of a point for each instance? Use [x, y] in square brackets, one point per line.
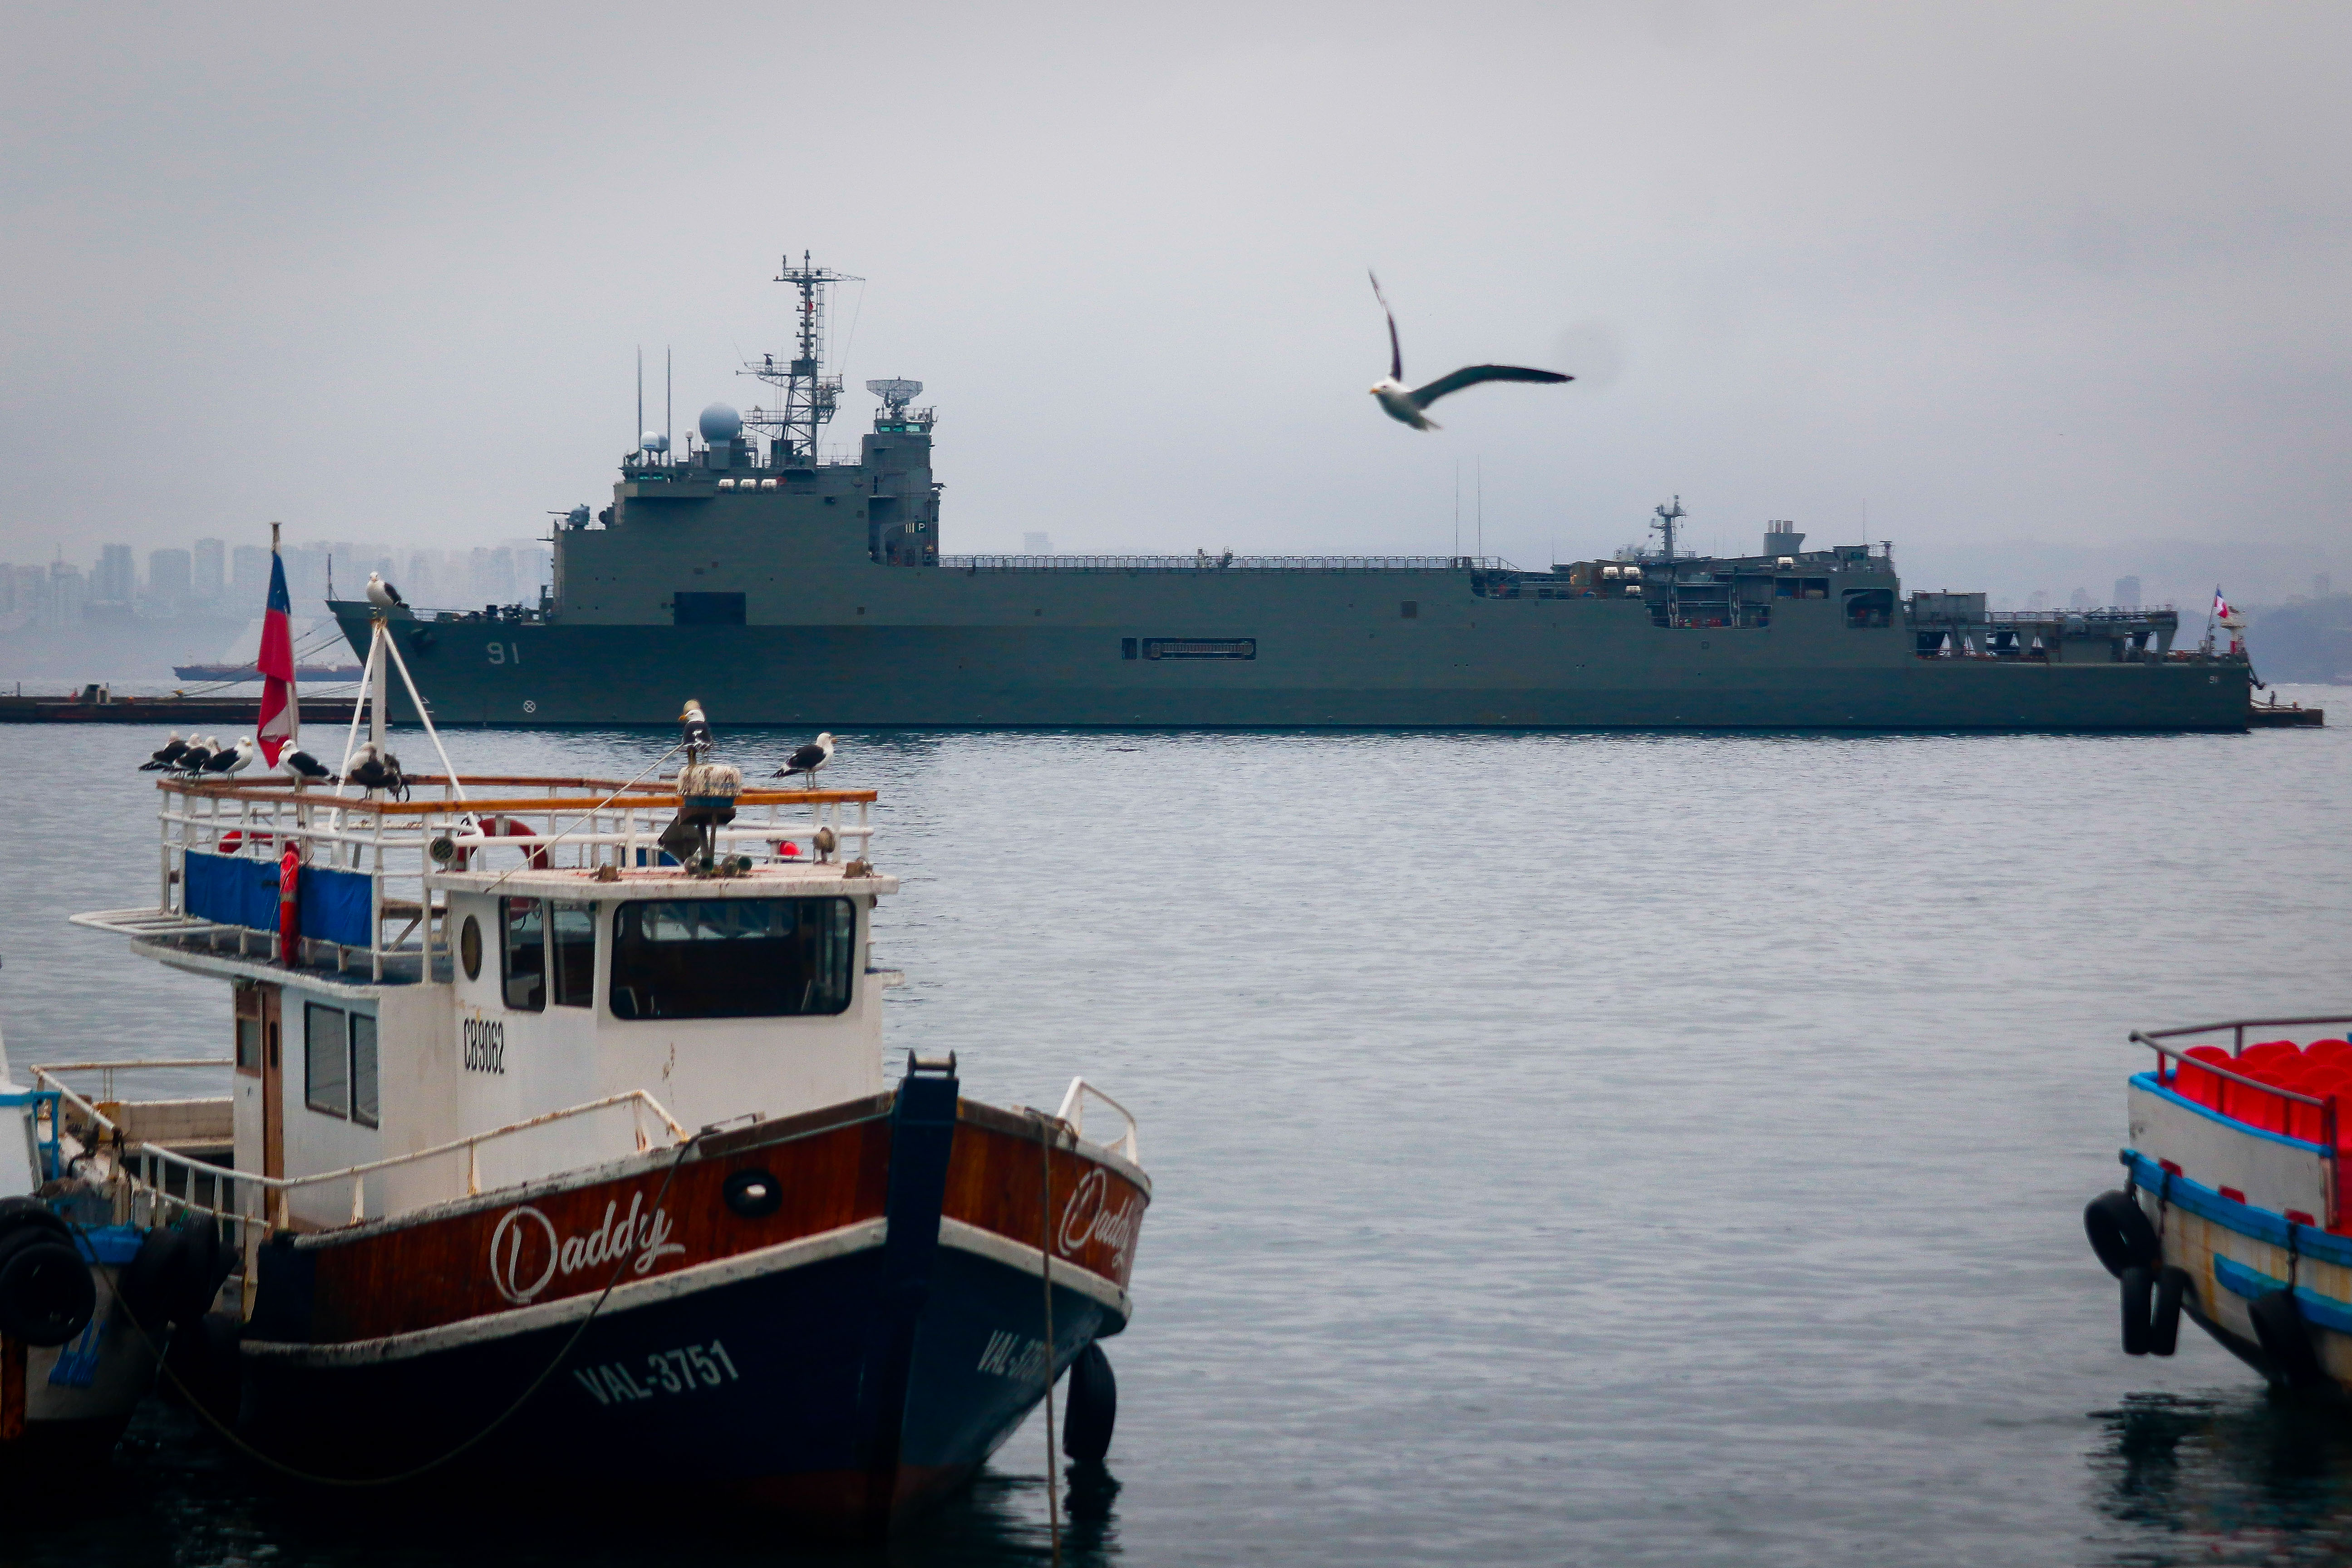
[486, 1046]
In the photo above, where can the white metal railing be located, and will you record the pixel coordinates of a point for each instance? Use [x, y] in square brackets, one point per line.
[509, 823]
[1074, 1111]
[246, 1198]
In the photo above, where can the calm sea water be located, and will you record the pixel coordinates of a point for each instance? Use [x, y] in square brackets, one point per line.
[1610, 1149]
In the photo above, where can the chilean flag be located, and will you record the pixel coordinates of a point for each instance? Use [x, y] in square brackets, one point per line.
[281, 716]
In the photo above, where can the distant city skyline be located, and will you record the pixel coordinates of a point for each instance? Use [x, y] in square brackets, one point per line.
[210, 578]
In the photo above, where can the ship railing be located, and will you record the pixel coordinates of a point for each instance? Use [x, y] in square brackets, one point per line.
[1224, 562]
[155, 1183]
[400, 845]
[1074, 1113]
[2160, 1042]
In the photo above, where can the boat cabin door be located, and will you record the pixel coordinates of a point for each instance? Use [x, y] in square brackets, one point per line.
[261, 1068]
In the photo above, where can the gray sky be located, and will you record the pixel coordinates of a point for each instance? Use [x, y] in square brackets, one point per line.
[2068, 276]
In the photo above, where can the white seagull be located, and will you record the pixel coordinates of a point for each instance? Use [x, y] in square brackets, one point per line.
[165, 755]
[196, 753]
[302, 765]
[807, 760]
[1404, 404]
[382, 594]
[694, 727]
[235, 760]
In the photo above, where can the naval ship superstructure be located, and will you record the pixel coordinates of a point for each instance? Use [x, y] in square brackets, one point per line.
[783, 585]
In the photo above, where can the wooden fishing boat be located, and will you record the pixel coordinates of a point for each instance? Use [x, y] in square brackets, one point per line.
[562, 1132]
[2234, 1211]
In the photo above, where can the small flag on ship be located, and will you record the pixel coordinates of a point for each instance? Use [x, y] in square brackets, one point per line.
[281, 715]
[2222, 610]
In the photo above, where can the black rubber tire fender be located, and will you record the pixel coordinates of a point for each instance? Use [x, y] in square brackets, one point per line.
[2172, 1287]
[1091, 1409]
[200, 1274]
[2138, 1299]
[15, 1212]
[150, 1281]
[2120, 1232]
[2286, 1340]
[46, 1292]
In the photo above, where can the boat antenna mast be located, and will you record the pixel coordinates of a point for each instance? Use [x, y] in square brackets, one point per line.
[1667, 517]
[806, 396]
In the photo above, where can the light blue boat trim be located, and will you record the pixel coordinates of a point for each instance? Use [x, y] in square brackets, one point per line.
[2321, 1311]
[2261, 1225]
[2147, 1080]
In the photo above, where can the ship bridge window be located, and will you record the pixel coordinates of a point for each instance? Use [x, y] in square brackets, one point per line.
[524, 960]
[1869, 607]
[732, 958]
[1800, 587]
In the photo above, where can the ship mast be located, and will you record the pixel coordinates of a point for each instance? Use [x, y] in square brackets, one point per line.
[807, 394]
[1667, 517]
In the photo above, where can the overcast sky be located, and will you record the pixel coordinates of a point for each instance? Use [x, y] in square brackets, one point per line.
[2069, 276]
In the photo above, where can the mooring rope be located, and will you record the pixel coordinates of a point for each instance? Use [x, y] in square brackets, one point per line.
[296, 1473]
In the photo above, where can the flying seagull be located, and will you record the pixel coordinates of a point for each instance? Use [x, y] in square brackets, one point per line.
[1405, 404]
[164, 755]
[302, 765]
[382, 594]
[807, 760]
[694, 727]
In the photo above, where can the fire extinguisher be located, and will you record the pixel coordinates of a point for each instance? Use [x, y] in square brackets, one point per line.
[289, 914]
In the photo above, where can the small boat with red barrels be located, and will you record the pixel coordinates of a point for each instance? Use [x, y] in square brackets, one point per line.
[563, 1140]
[2236, 1211]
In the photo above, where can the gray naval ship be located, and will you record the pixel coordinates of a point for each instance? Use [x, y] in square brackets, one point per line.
[781, 585]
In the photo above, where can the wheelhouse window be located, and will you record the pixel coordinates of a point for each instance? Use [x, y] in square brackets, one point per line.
[571, 941]
[732, 958]
[524, 953]
[339, 1063]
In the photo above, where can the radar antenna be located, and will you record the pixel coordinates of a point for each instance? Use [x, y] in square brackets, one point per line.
[807, 394]
[1667, 517]
[895, 394]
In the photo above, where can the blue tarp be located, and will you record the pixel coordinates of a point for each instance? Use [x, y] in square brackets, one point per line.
[334, 905]
[231, 891]
[237, 891]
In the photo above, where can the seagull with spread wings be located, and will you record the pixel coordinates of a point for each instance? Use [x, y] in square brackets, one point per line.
[1404, 404]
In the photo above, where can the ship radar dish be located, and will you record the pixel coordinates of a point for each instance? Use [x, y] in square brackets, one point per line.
[653, 441]
[895, 393]
[721, 423]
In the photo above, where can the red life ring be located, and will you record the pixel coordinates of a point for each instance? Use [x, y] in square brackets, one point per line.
[508, 827]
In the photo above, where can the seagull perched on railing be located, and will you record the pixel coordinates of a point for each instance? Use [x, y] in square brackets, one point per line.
[1404, 404]
[806, 761]
[196, 753]
[382, 594]
[303, 765]
[374, 768]
[236, 759]
[165, 755]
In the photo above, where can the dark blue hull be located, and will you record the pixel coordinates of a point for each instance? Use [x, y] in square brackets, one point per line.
[841, 1377]
[769, 1412]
